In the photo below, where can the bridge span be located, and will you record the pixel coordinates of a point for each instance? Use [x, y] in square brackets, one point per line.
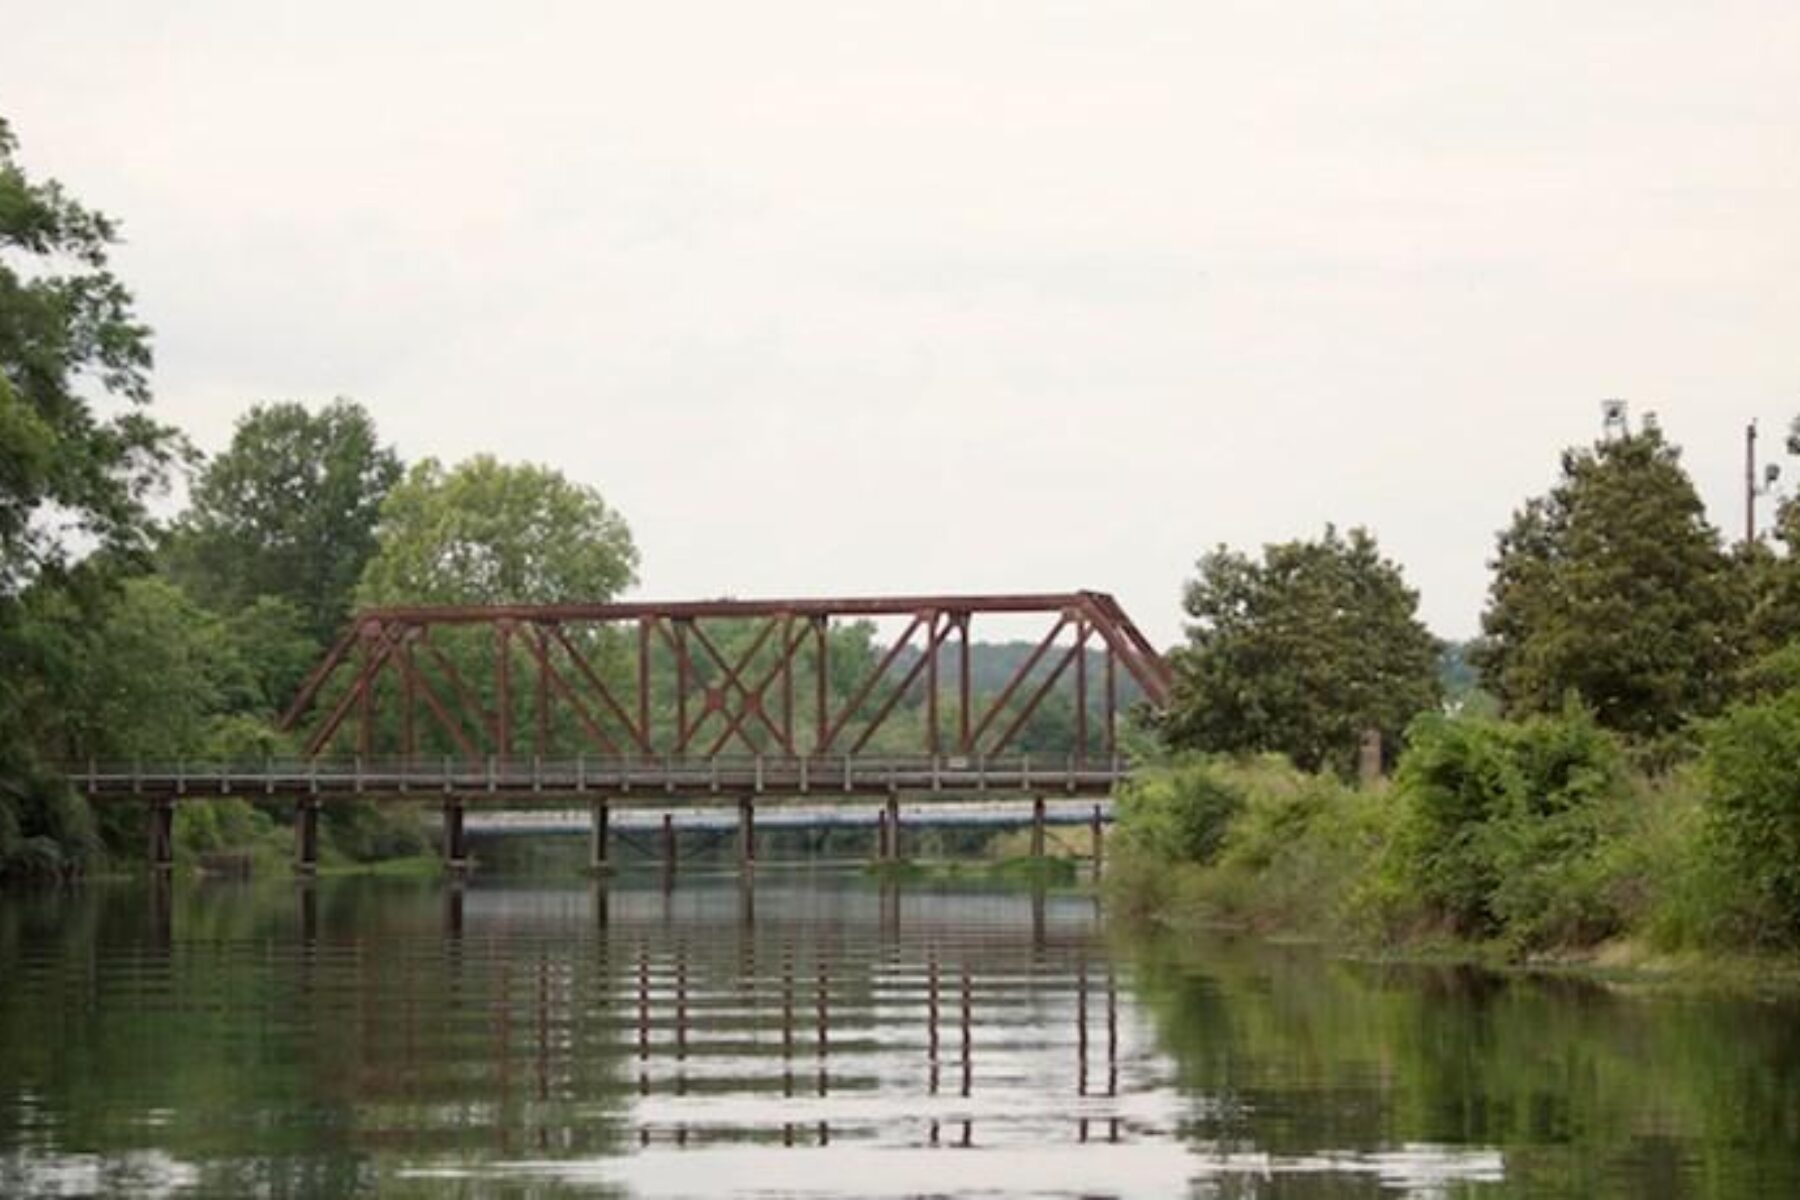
[677, 707]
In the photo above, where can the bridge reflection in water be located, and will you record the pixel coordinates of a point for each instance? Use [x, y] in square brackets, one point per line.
[730, 1014]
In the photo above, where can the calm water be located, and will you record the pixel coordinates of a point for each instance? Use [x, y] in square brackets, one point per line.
[824, 1036]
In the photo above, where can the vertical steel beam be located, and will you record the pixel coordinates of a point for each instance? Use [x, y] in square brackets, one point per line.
[1112, 701]
[1082, 629]
[790, 650]
[931, 684]
[503, 689]
[643, 682]
[822, 627]
[893, 828]
[408, 697]
[540, 649]
[963, 697]
[365, 702]
[681, 686]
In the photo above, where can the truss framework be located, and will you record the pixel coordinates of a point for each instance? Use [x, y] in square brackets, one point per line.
[710, 678]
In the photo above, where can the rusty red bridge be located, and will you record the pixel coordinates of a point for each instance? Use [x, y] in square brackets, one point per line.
[681, 704]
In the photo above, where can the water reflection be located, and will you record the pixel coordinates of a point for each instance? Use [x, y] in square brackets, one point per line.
[826, 1036]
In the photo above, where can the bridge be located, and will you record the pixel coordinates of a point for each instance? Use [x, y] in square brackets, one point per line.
[674, 706]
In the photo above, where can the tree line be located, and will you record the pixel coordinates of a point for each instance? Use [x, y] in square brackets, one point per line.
[1619, 762]
[125, 636]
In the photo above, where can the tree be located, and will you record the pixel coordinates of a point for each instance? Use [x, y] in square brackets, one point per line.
[78, 459]
[1301, 653]
[486, 532]
[1772, 578]
[1615, 588]
[65, 467]
[288, 511]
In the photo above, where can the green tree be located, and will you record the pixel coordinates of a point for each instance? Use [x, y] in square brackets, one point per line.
[1300, 653]
[487, 532]
[78, 459]
[66, 338]
[288, 511]
[1772, 575]
[1615, 588]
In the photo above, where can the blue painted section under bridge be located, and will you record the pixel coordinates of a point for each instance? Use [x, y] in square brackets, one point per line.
[944, 814]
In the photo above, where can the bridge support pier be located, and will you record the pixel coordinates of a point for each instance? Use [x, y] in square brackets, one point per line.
[456, 845]
[891, 849]
[668, 842]
[599, 818]
[1099, 837]
[306, 835]
[162, 835]
[746, 834]
[1037, 827]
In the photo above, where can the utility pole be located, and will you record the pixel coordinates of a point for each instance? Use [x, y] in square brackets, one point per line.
[1750, 484]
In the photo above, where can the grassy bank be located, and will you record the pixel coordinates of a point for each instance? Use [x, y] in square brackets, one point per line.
[1540, 843]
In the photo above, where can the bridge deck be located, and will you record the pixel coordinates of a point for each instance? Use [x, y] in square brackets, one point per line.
[661, 780]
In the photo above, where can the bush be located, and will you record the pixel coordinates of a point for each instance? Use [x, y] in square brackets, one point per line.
[1300, 851]
[1752, 831]
[1179, 813]
[1502, 828]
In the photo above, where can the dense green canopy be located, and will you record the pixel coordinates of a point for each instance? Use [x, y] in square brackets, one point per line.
[1301, 652]
[287, 511]
[1615, 588]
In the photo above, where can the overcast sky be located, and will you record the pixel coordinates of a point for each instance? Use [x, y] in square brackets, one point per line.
[851, 298]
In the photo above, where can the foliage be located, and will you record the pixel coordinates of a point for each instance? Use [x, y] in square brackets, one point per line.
[1292, 854]
[1614, 587]
[486, 532]
[1753, 811]
[287, 512]
[159, 671]
[1301, 653]
[1501, 825]
[78, 460]
[1179, 813]
[67, 330]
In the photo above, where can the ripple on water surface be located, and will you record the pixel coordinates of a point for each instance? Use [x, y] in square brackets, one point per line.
[815, 1036]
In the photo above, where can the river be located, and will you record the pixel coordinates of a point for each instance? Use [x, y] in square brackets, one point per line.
[822, 1035]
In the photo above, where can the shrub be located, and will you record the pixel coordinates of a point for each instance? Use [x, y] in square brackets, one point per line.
[1753, 814]
[1179, 813]
[1502, 828]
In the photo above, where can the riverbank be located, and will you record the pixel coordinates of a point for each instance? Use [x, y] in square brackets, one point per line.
[1536, 846]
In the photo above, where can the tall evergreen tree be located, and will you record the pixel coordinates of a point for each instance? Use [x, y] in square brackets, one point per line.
[1614, 587]
[1301, 653]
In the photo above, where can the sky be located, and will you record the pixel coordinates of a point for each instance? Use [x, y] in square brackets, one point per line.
[842, 298]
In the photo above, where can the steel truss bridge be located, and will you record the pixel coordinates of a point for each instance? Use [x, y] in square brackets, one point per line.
[675, 705]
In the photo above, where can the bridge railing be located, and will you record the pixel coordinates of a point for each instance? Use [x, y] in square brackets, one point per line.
[650, 776]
